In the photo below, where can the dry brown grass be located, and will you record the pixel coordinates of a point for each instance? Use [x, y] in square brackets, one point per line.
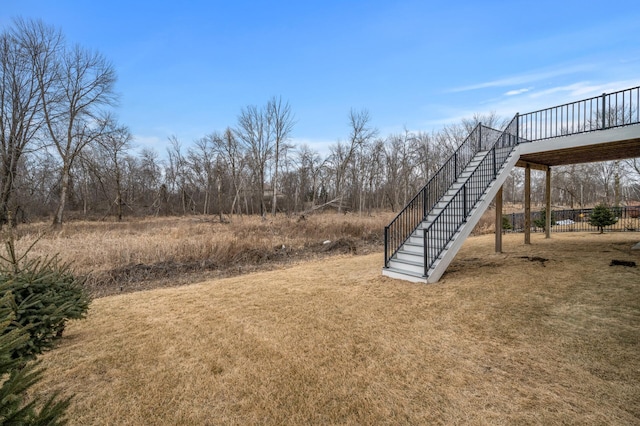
[502, 339]
[152, 252]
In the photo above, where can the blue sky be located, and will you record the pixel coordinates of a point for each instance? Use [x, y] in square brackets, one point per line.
[186, 68]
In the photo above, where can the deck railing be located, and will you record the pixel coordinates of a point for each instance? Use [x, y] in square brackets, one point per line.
[606, 111]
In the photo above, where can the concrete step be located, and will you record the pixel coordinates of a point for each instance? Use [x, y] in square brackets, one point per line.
[448, 206]
[404, 275]
[418, 240]
[407, 266]
[448, 217]
[409, 256]
[412, 248]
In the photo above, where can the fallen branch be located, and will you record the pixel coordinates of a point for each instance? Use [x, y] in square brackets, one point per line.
[328, 203]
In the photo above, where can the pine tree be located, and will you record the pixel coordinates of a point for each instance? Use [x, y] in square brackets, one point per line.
[602, 216]
[45, 295]
[16, 376]
[541, 222]
[37, 297]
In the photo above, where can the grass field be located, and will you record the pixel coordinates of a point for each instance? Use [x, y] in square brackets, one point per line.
[169, 251]
[541, 334]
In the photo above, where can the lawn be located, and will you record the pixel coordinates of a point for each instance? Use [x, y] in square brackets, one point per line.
[544, 334]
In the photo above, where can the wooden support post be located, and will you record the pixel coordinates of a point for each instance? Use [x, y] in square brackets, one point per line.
[547, 196]
[499, 221]
[527, 204]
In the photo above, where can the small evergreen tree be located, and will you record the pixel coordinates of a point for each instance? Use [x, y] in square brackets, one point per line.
[46, 294]
[16, 376]
[37, 297]
[506, 224]
[541, 221]
[602, 216]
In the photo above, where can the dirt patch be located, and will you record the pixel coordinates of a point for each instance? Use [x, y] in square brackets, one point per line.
[470, 263]
[615, 262]
[141, 272]
[542, 260]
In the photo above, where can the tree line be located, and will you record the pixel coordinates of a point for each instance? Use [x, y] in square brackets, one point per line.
[62, 150]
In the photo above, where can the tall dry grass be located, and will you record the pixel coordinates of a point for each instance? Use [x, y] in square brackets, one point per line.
[118, 255]
[540, 334]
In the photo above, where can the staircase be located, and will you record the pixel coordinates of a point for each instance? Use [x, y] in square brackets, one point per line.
[410, 258]
[425, 236]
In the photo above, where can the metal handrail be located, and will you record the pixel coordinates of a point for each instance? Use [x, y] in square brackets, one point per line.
[606, 111]
[440, 231]
[407, 220]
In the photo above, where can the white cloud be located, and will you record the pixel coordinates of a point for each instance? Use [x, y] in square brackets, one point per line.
[584, 89]
[517, 92]
[525, 78]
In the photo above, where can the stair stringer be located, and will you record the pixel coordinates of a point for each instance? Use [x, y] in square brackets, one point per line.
[440, 266]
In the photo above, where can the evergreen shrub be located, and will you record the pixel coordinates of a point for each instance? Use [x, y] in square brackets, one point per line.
[602, 216]
[541, 221]
[16, 376]
[46, 294]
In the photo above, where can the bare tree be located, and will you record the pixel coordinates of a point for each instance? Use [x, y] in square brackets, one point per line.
[605, 176]
[514, 186]
[35, 182]
[115, 143]
[404, 155]
[429, 156]
[632, 187]
[309, 165]
[255, 132]
[149, 180]
[232, 158]
[177, 177]
[373, 181]
[282, 121]
[27, 54]
[89, 170]
[634, 164]
[73, 109]
[202, 160]
[342, 155]
[633, 175]
[568, 182]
